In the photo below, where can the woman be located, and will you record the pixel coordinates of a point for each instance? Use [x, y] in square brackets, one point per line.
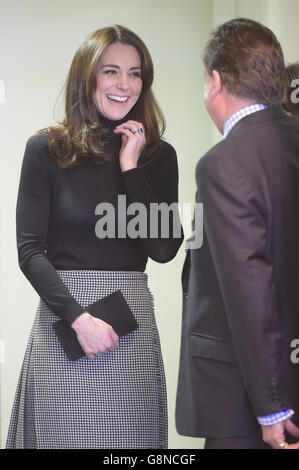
[107, 146]
[291, 103]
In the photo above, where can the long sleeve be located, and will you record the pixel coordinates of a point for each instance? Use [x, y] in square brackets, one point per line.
[157, 186]
[32, 218]
[236, 228]
[56, 220]
[275, 417]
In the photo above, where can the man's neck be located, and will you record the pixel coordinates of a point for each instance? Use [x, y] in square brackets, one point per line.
[241, 113]
[233, 105]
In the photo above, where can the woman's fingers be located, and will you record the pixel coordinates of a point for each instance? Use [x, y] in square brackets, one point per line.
[115, 338]
[131, 124]
[96, 337]
[131, 133]
[109, 342]
[91, 356]
[133, 142]
[125, 131]
[136, 128]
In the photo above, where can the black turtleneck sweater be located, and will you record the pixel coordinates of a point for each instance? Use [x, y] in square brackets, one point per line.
[56, 218]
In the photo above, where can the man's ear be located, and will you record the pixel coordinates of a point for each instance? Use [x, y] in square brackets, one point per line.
[217, 82]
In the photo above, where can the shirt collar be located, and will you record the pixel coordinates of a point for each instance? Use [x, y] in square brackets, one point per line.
[240, 114]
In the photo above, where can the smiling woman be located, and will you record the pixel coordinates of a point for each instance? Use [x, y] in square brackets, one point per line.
[119, 82]
[114, 58]
[95, 387]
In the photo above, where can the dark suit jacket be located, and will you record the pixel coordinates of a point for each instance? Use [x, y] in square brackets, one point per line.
[241, 288]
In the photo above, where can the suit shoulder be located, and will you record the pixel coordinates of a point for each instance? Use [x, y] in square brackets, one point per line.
[220, 163]
[212, 157]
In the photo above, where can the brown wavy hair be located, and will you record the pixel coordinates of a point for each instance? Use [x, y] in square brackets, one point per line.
[80, 137]
[249, 59]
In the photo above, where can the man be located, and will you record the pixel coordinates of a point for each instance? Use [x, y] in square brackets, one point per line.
[238, 386]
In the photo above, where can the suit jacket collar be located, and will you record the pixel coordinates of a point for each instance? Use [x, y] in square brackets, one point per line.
[269, 114]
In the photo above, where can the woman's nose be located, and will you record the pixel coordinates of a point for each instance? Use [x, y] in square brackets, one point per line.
[123, 81]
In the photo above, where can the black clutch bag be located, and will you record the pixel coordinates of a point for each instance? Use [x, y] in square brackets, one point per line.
[112, 309]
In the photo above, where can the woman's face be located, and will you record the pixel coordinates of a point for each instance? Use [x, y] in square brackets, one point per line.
[119, 81]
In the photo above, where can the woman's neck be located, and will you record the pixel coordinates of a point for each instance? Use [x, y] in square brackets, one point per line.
[111, 124]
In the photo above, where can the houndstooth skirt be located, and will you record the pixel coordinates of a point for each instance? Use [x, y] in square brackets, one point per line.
[116, 401]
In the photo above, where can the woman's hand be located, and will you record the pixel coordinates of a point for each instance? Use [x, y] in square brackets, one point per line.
[133, 142]
[95, 336]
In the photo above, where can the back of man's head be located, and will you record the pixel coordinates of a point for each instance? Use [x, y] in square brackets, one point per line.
[249, 59]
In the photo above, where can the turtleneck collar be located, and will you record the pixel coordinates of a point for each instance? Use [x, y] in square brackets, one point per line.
[110, 124]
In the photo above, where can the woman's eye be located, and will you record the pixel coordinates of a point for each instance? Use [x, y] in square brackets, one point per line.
[136, 74]
[114, 72]
[110, 71]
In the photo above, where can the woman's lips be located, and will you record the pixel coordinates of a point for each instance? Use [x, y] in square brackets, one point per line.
[117, 99]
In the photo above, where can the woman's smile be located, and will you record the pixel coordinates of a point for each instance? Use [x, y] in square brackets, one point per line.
[119, 81]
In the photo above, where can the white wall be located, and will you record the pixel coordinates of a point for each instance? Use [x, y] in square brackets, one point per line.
[279, 15]
[282, 17]
[37, 42]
